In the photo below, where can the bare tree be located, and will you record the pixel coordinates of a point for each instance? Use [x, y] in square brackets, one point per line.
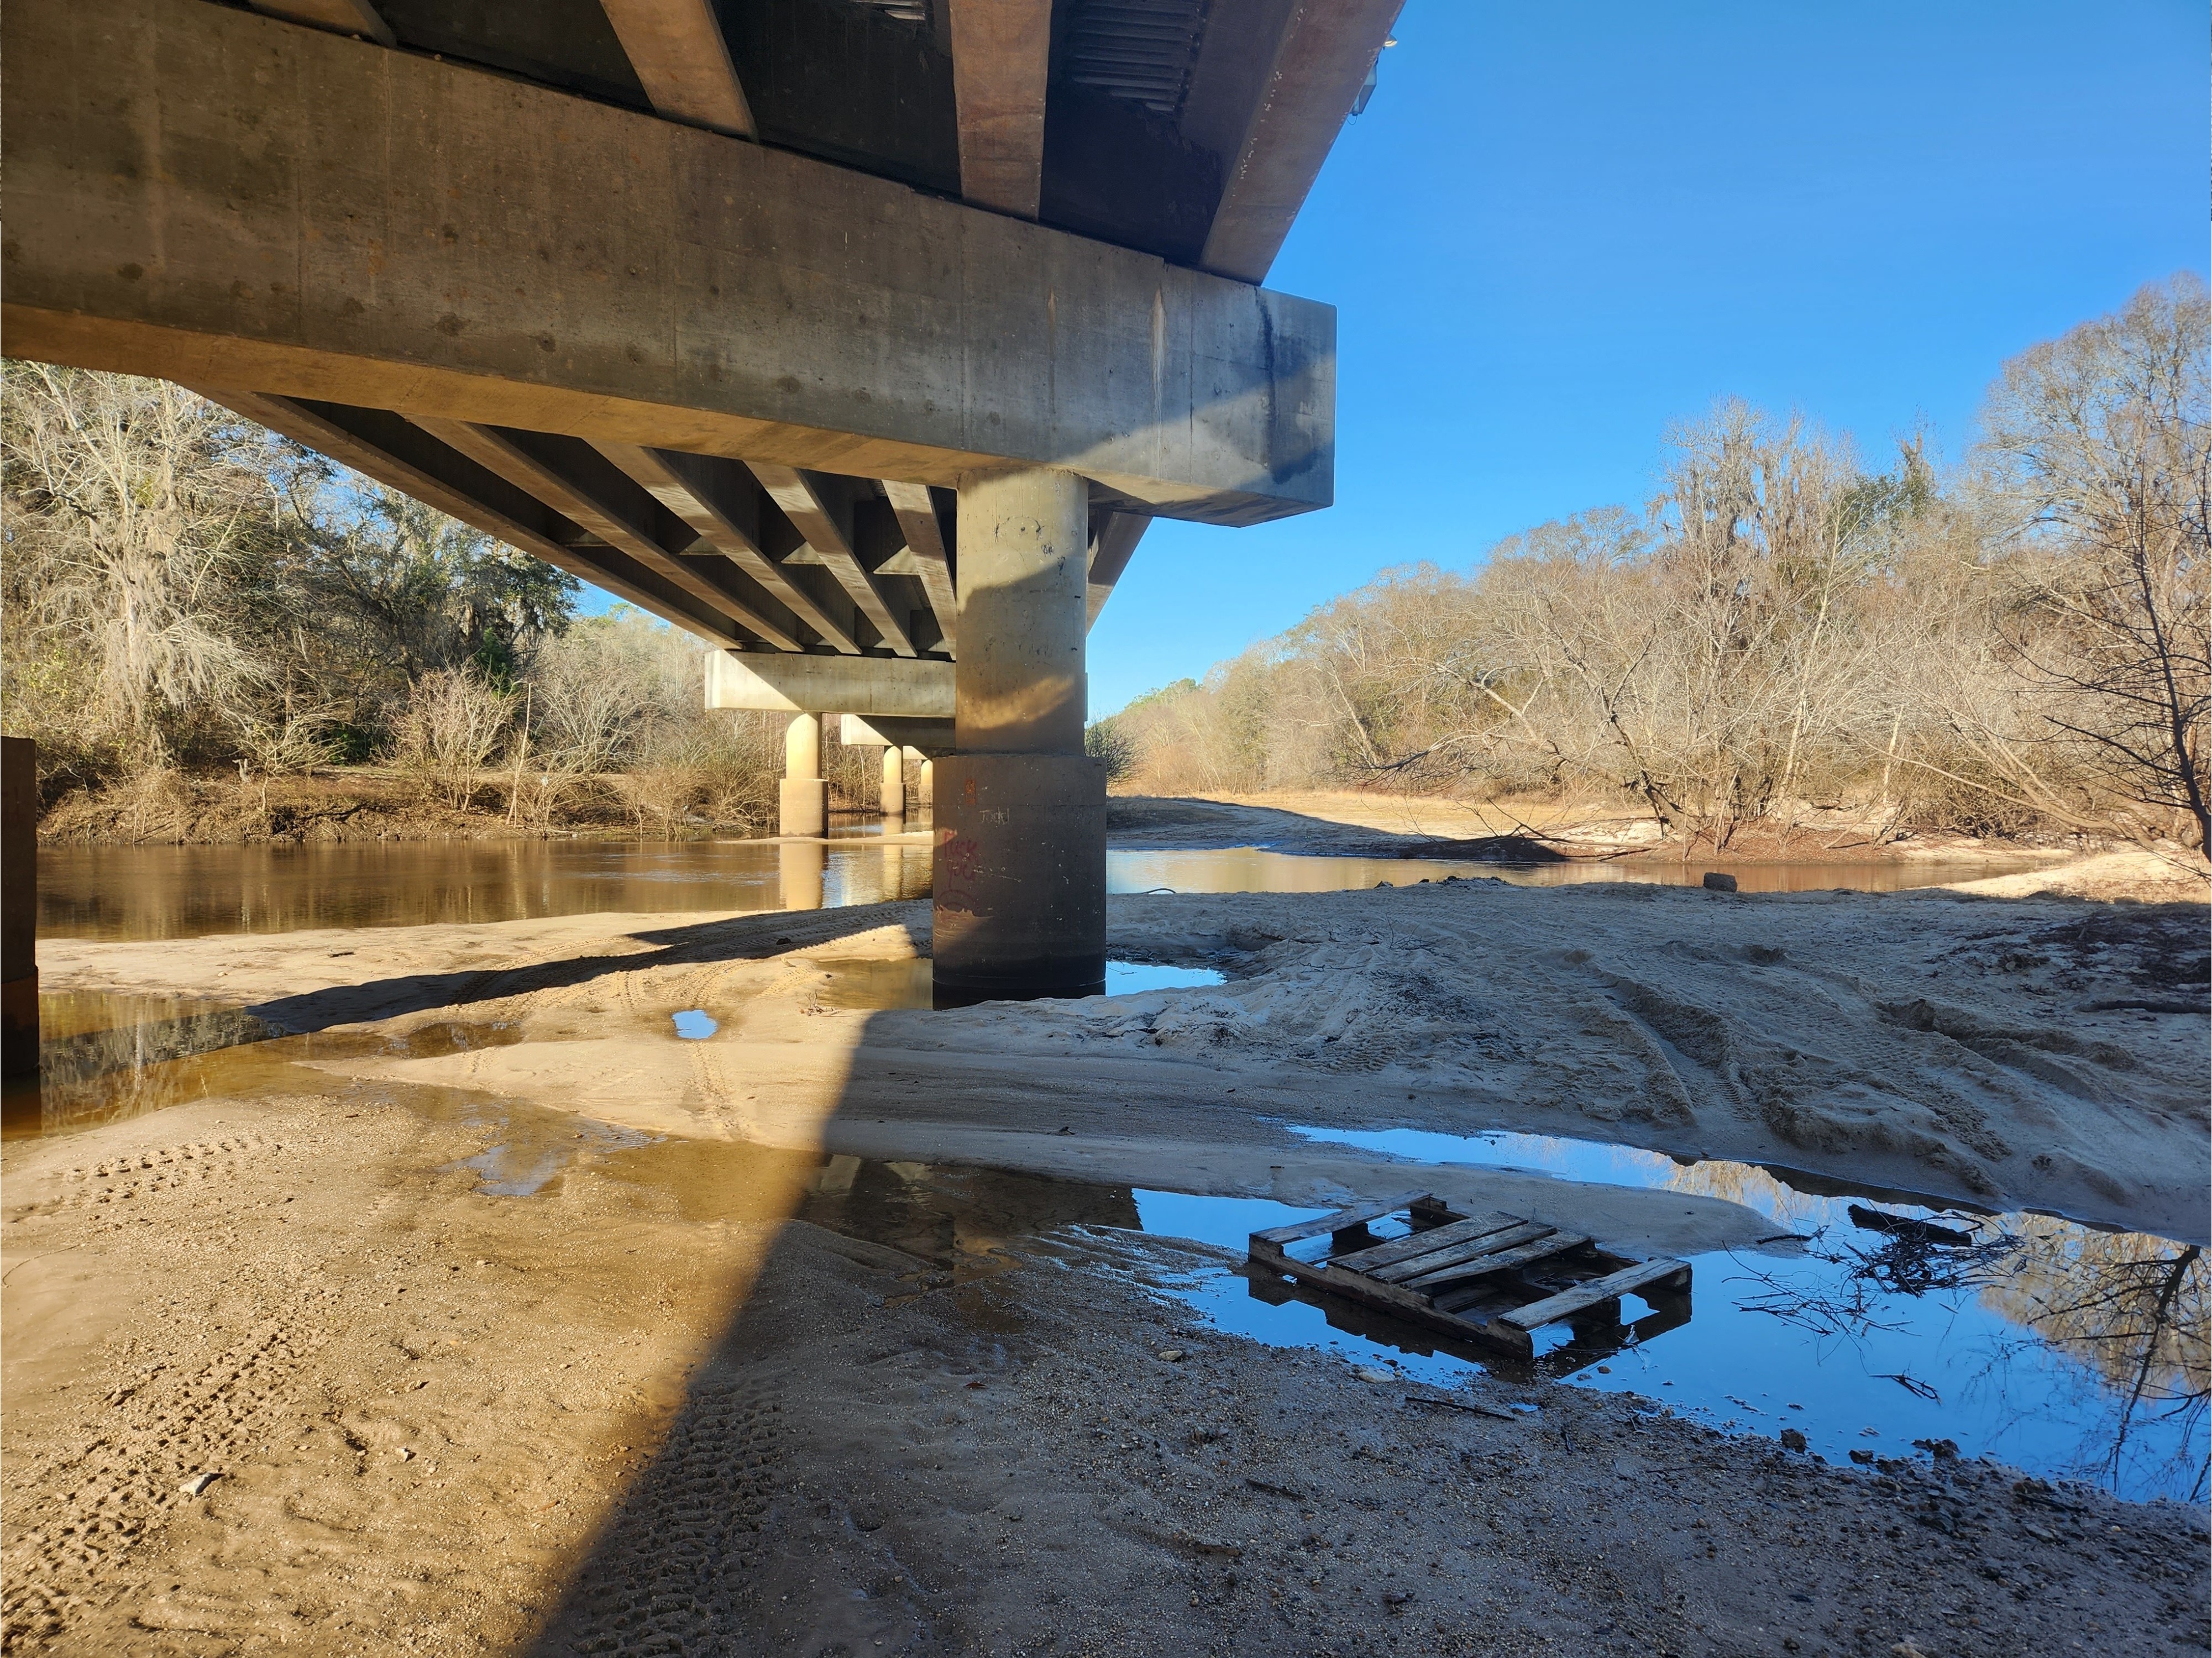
[454, 724]
[132, 527]
[2100, 445]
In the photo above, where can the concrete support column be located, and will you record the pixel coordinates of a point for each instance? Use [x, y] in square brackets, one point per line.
[803, 799]
[1020, 870]
[894, 797]
[925, 781]
[19, 920]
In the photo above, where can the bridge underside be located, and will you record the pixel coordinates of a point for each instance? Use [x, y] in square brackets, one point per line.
[861, 332]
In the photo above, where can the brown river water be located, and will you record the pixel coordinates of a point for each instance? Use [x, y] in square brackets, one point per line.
[184, 892]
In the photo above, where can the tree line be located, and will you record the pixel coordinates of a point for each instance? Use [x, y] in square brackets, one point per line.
[182, 591]
[2021, 641]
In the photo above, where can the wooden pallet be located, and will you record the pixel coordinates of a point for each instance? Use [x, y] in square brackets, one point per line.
[1493, 1279]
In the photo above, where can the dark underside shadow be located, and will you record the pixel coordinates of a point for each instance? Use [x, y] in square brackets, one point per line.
[752, 937]
[803, 1498]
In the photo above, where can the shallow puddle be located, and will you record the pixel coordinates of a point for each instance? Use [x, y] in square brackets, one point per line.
[103, 1057]
[106, 1056]
[2058, 1350]
[536, 1148]
[877, 986]
[2043, 1343]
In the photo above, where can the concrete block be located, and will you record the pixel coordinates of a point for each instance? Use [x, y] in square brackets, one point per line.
[1020, 876]
[1024, 541]
[802, 808]
[925, 738]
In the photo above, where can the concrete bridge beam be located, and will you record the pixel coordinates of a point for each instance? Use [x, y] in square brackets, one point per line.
[229, 201]
[777, 682]
[760, 389]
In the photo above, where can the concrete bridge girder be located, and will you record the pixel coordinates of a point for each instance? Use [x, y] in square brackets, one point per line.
[287, 211]
[890, 450]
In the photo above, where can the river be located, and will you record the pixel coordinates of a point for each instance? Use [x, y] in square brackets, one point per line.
[184, 892]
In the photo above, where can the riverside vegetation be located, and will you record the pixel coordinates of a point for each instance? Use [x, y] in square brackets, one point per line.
[214, 633]
[2021, 642]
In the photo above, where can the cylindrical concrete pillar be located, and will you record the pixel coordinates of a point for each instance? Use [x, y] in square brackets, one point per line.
[925, 781]
[1020, 871]
[802, 747]
[894, 797]
[1023, 580]
[803, 799]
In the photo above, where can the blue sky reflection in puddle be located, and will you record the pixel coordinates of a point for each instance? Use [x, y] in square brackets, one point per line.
[2073, 1351]
[1226, 1302]
[1134, 978]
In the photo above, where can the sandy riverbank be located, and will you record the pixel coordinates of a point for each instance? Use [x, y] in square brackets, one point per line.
[1375, 824]
[647, 1402]
[2041, 1051]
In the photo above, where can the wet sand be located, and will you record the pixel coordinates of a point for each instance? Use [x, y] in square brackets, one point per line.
[1377, 824]
[2040, 1051]
[652, 1406]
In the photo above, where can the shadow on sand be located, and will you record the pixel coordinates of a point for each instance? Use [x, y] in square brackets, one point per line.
[1147, 823]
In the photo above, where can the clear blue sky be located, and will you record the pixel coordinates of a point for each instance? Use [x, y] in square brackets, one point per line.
[1560, 228]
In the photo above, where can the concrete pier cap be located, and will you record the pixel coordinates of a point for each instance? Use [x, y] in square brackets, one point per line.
[1020, 810]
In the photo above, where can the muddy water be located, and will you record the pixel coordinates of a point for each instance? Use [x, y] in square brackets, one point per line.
[105, 1057]
[182, 892]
